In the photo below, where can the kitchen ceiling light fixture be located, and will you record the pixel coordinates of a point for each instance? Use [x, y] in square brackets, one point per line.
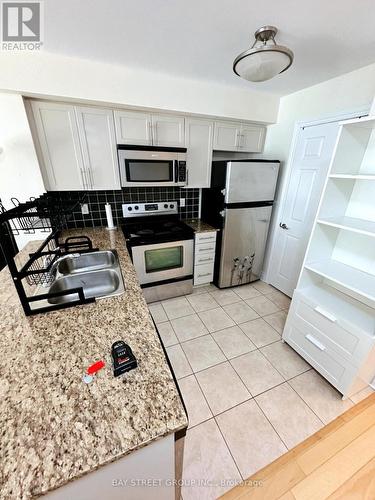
[265, 59]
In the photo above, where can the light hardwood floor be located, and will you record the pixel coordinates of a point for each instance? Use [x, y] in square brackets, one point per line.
[337, 462]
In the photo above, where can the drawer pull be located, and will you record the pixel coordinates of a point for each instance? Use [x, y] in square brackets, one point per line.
[203, 275]
[206, 260]
[326, 314]
[206, 238]
[316, 343]
[205, 249]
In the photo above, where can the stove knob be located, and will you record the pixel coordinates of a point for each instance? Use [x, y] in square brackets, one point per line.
[171, 205]
[130, 209]
[136, 207]
[165, 205]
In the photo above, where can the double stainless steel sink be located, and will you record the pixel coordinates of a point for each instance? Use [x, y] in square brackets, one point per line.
[98, 273]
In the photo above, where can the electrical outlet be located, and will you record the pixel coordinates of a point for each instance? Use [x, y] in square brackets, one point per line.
[182, 202]
[84, 209]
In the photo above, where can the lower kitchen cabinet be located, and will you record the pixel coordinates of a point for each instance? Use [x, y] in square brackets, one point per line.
[198, 138]
[204, 257]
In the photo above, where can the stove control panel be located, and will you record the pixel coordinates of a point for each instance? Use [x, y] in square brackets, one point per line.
[141, 209]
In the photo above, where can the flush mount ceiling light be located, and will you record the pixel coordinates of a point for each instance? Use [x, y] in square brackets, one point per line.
[265, 59]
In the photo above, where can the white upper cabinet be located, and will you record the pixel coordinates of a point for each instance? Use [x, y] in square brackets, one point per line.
[168, 130]
[231, 136]
[198, 138]
[252, 138]
[133, 127]
[77, 145]
[226, 136]
[62, 164]
[98, 142]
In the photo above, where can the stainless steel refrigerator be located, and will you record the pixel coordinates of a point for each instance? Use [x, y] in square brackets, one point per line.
[239, 202]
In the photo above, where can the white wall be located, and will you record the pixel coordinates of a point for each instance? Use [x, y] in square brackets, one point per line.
[344, 94]
[19, 168]
[72, 78]
[20, 175]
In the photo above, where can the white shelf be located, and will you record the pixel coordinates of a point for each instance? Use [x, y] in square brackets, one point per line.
[365, 122]
[360, 177]
[348, 277]
[360, 226]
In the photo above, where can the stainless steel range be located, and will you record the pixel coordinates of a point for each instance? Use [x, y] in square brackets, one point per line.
[161, 247]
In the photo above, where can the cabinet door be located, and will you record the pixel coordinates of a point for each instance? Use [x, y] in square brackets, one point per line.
[226, 136]
[59, 143]
[168, 130]
[199, 136]
[97, 135]
[133, 127]
[252, 138]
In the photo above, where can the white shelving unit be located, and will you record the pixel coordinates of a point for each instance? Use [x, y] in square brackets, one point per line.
[331, 321]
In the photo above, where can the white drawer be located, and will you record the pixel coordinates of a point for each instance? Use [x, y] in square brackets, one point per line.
[351, 345]
[207, 237]
[203, 274]
[205, 248]
[204, 258]
[312, 346]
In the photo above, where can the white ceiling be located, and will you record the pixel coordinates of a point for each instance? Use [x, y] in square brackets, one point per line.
[200, 38]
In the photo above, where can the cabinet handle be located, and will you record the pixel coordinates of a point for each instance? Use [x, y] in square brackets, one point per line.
[150, 132]
[155, 134]
[237, 144]
[326, 314]
[89, 175]
[315, 342]
[83, 178]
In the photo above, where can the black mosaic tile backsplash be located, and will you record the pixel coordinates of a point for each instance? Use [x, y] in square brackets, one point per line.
[97, 200]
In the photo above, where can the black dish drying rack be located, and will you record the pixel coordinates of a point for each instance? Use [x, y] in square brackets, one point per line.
[43, 215]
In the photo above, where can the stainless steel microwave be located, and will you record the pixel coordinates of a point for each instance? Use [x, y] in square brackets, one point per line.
[149, 166]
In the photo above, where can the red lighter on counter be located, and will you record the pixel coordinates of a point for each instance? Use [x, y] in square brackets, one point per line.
[88, 377]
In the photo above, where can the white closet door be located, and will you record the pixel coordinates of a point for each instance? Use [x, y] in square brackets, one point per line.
[59, 142]
[97, 134]
[311, 159]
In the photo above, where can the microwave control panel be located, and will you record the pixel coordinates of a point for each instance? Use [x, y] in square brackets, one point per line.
[182, 171]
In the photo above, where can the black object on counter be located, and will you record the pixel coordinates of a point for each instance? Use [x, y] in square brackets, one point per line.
[123, 358]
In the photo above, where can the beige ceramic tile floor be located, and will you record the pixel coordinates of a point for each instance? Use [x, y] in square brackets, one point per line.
[249, 396]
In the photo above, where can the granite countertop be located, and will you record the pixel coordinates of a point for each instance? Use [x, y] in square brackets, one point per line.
[199, 226]
[55, 428]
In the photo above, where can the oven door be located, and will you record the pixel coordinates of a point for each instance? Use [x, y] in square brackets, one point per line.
[163, 261]
[147, 168]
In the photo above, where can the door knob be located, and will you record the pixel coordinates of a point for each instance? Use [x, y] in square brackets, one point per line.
[283, 226]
